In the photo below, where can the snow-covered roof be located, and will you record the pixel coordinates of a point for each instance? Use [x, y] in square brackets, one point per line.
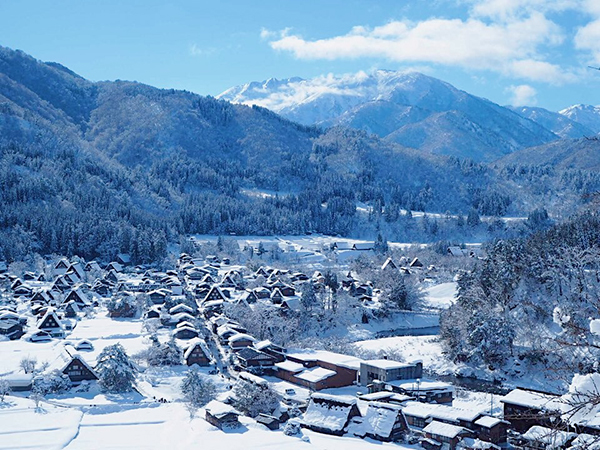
[212, 303]
[19, 380]
[476, 444]
[181, 307]
[422, 385]
[488, 421]
[378, 420]
[328, 412]
[241, 337]
[219, 409]
[551, 437]
[262, 344]
[531, 399]
[386, 364]
[349, 362]
[376, 396]
[185, 324]
[388, 262]
[253, 379]
[443, 429]
[586, 442]
[290, 366]
[442, 412]
[124, 257]
[185, 327]
[83, 344]
[316, 374]
[192, 343]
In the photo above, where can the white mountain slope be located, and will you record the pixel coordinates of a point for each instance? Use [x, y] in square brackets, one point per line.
[587, 115]
[409, 108]
[559, 123]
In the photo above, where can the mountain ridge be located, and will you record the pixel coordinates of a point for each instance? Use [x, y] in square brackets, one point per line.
[408, 108]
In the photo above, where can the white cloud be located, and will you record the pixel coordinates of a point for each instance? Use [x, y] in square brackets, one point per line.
[509, 9]
[509, 47]
[515, 38]
[270, 34]
[522, 95]
[588, 39]
[196, 50]
[540, 71]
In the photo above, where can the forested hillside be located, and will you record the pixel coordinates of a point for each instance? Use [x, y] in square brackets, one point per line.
[530, 301]
[99, 168]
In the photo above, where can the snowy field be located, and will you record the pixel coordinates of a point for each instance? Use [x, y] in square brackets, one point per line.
[440, 296]
[309, 249]
[144, 427]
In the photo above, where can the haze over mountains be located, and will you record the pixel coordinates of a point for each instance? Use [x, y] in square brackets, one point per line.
[417, 111]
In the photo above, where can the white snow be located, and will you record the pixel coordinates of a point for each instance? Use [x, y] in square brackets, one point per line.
[595, 326]
[316, 374]
[440, 296]
[553, 439]
[443, 429]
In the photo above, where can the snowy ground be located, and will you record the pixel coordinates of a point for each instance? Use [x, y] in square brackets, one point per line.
[144, 426]
[440, 296]
[309, 249]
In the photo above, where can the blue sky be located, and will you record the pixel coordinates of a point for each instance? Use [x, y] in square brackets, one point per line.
[510, 51]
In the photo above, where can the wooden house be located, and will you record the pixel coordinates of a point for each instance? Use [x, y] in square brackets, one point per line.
[382, 422]
[329, 414]
[221, 415]
[525, 408]
[78, 370]
[185, 332]
[389, 264]
[51, 323]
[276, 296]
[71, 309]
[197, 353]
[60, 268]
[491, 429]
[77, 296]
[262, 292]
[319, 369]
[416, 263]
[124, 259]
[272, 423]
[446, 433]
[214, 293]
[114, 266]
[159, 296]
[240, 340]
[250, 358]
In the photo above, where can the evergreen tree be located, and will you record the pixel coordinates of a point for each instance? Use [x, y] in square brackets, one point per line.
[116, 371]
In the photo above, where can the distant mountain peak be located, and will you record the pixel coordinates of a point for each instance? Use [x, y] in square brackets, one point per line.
[586, 115]
[380, 102]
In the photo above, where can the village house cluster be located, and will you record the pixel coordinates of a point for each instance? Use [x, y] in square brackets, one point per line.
[393, 400]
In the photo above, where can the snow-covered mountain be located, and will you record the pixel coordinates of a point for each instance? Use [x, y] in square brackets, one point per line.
[587, 115]
[409, 108]
[580, 154]
[559, 123]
